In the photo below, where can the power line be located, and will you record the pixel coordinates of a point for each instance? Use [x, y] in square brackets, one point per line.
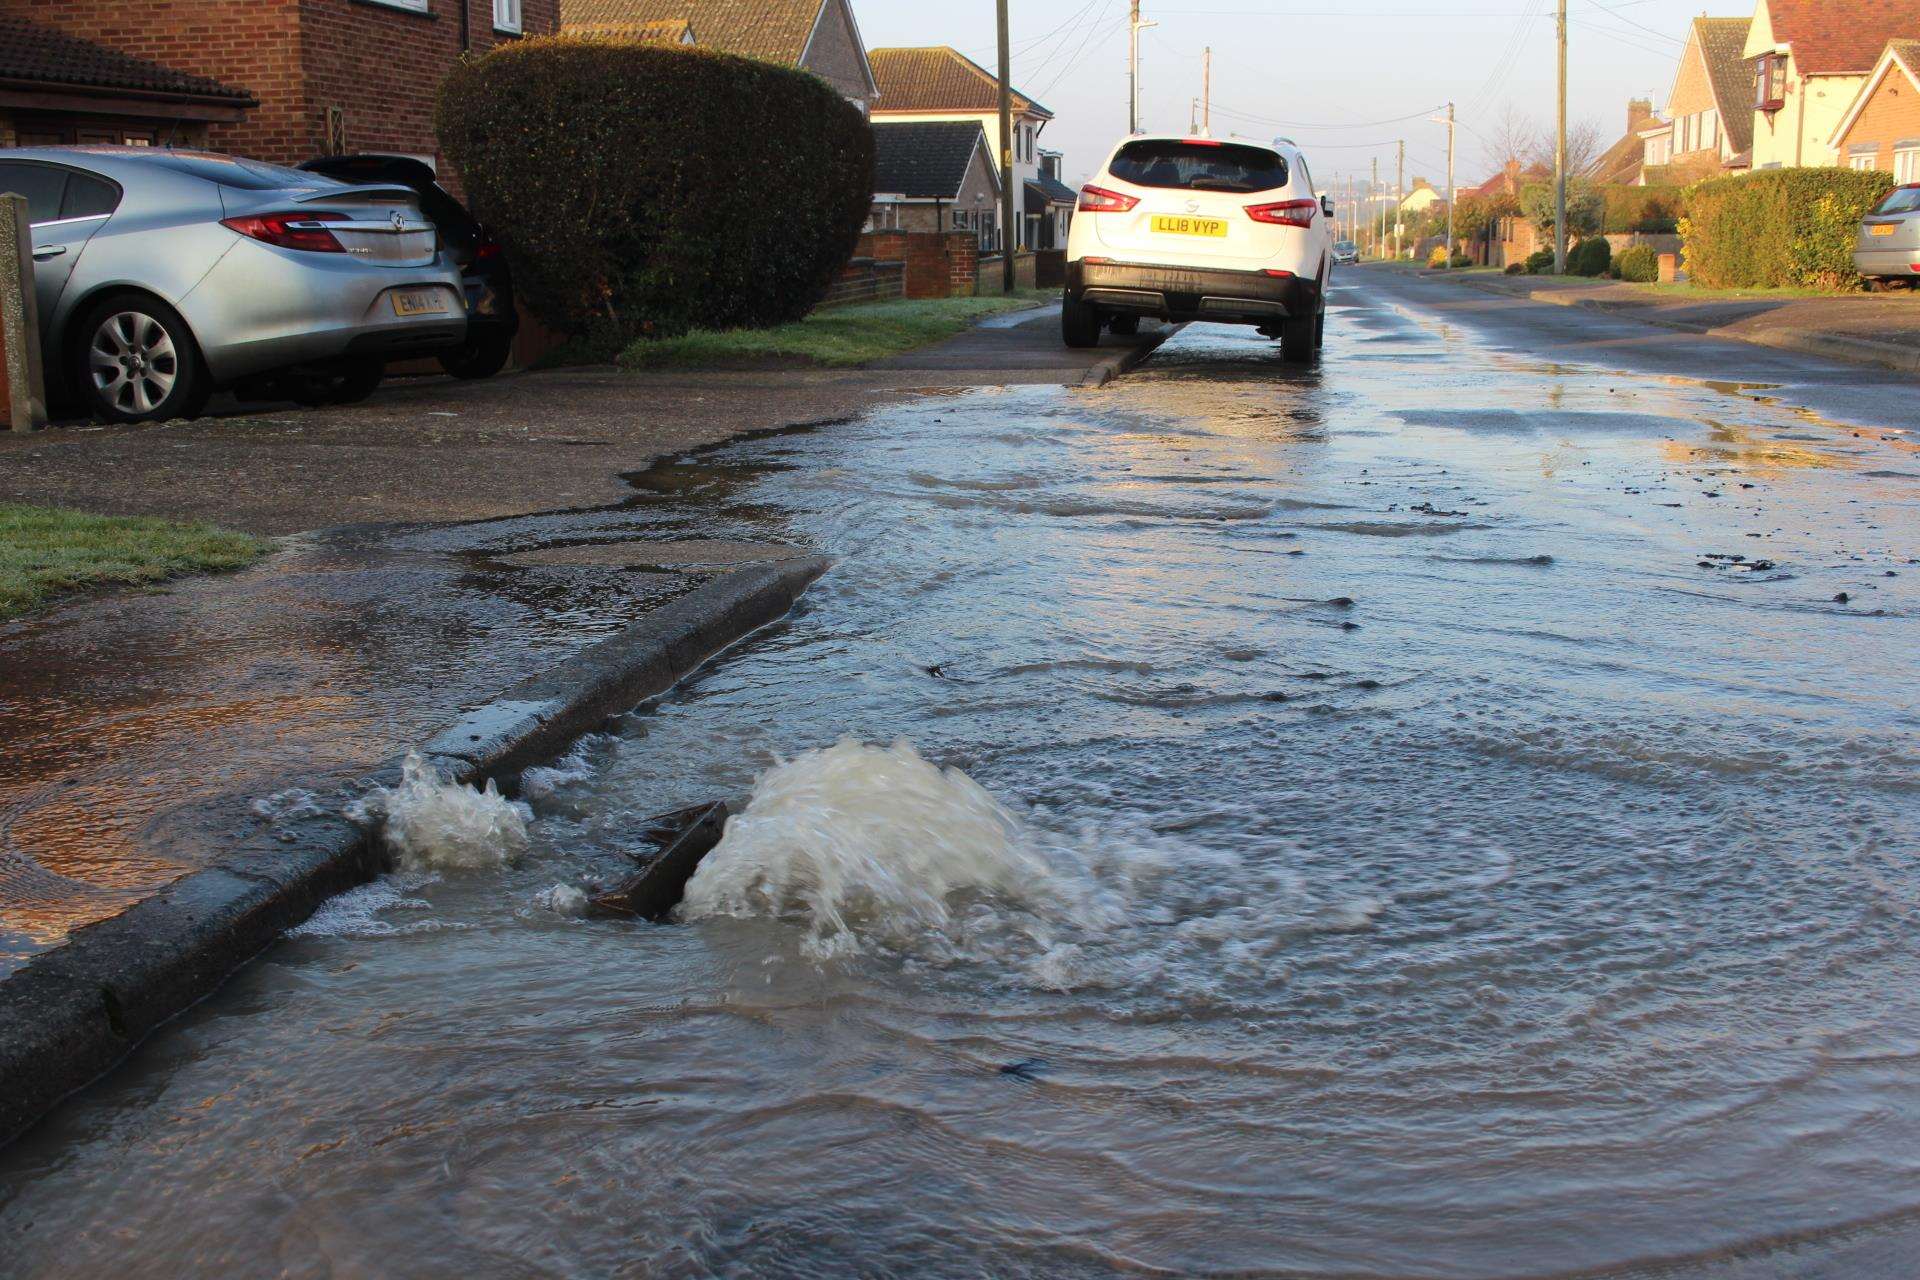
[1615, 11]
[1358, 124]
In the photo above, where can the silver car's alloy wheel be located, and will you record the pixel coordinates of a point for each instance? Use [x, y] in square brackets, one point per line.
[133, 362]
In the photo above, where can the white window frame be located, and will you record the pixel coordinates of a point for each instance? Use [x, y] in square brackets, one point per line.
[1906, 162]
[508, 16]
[409, 6]
[1863, 157]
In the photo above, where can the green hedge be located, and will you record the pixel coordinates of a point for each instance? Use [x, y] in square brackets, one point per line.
[1639, 264]
[645, 189]
[1779, 228]
[1591, 257]
[1648, 210]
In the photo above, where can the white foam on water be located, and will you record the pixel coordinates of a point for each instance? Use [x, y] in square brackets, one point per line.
[357, 912]
[562, 900]
[546, 782]
[433, 824]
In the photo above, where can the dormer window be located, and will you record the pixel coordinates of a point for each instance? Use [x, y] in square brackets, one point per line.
[1770, 83]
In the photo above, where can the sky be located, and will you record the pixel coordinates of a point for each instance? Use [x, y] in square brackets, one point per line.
[1334, 75]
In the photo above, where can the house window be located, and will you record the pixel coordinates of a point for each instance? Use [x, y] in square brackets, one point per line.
[1863, 155]
[1906, 160]
[1711, 120]
[1770, 83]
[416, 6]
[506, 16]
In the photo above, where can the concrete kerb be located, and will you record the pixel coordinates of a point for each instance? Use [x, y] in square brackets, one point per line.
[70, 1015]
[1831, 346]
[1123, 362]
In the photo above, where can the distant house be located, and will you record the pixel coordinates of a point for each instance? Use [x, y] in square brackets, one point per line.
[820, 36]
[1811, 59]
[1882, 128]
[1622, 164]
[59, 90]
[1422, 198]
[935, 175]
[1709, 124]
[1050, 204]
[942, 84]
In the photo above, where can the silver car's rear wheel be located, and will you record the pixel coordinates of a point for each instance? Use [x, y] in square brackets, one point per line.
[136, 361]
[133, 362]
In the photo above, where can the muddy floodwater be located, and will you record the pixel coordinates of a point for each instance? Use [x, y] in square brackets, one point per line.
[1438, 815]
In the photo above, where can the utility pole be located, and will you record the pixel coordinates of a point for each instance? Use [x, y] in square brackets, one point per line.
[1206, 93]
[1193, 115]
[1560, 159]
[1374, 193]
[1450, 201]
[1399, 194]
[1134, 27]
[1007, 236]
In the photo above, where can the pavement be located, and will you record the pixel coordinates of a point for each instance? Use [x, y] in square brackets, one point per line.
[1871, 329]
[179, 758]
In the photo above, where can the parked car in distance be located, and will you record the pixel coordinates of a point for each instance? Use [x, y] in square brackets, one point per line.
[492, 319]
[162, 276]
[1889, 244]
[1194, 228]
[1345, 253]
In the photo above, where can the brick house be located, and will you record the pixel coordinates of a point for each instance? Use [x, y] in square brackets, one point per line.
[943, 84]
[59, 90]
[820, 36]
[1810, 61]
[935, 175]
[1709, 122]
[330, 76]
[1624, 163]
[1882, 128]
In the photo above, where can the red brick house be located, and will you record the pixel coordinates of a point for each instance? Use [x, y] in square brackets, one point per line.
[329, 76]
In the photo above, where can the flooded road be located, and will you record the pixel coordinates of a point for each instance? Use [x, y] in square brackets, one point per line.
[1449, 813]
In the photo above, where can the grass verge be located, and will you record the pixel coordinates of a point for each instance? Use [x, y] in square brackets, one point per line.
[45, 552]
[1684, 291]
[835, 337]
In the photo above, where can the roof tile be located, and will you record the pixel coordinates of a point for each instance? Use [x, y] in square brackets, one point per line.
[924, 160]
[43, 55]
[769, 30]
[939, 79]
[1841, 37]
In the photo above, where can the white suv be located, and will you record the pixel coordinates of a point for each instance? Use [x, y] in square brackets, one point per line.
[1192, 228]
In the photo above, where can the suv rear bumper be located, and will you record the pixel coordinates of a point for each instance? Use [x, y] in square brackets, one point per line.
[1185, 293]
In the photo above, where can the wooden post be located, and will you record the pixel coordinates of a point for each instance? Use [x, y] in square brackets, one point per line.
[22, 397]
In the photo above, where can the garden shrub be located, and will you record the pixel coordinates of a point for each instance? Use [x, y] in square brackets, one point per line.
[648, 189]
[1639, 264]
[1437, 258]
[1591, 257]
[1516, 269]
[1779, 228]
[1540, 263]
[1460, 260]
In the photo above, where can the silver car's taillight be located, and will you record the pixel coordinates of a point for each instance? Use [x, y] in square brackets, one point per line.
[290, 230]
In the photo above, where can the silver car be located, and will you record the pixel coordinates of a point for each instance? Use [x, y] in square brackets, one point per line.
[1889, 245]
[163, 276]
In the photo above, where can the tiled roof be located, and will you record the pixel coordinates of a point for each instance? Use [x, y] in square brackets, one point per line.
[939, 79]
[44, 56]
[924, 160]
[1908, 54]
[1055, 191]
[1722, 41]
[1841, 37]
[1621, 164]
[770, 30]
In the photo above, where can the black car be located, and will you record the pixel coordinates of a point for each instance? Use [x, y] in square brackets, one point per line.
[491, 318]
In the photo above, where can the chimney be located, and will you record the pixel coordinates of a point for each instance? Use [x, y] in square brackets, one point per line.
[1639, 111]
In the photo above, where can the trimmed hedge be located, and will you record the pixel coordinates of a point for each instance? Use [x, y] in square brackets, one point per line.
[647, 189]
[1648, 210]
[1540, 262]
[1779, 228]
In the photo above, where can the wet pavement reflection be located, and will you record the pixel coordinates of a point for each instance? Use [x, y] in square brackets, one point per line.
[1478, 791]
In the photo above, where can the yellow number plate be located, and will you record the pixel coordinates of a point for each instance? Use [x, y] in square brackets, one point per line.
[1886, 229]
[1215, 227]
[419, 302]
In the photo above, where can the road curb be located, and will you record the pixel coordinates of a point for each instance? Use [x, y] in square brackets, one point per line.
[1124, 362]
[1831, 346]
[70, 1015]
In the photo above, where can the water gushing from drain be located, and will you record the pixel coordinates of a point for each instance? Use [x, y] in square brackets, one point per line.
[433, 824]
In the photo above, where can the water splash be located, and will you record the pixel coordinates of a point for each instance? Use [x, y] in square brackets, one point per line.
[434, 824]
[877, 845]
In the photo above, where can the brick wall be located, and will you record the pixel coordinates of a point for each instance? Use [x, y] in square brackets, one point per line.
[1893, 115]
[867, 280]
[935, 264]
[379, 64]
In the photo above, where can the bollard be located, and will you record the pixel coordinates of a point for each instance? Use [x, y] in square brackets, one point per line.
[22, 397]
[1669, 268]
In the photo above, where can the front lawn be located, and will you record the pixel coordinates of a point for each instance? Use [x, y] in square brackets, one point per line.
[836, 336]
[45, 552]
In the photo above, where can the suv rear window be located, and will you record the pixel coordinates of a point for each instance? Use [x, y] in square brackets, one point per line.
[1901, 200]
[1199, 166]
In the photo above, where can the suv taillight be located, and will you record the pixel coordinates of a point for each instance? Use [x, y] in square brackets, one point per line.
[488, 251]
[1101, 200]
[1288, 213]
[290, 230]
